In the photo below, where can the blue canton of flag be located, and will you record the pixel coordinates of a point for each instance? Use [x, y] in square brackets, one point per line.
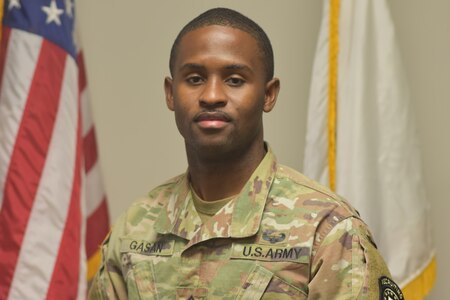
[51, 19]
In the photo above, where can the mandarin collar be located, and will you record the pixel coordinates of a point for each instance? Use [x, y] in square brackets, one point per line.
[239, 218]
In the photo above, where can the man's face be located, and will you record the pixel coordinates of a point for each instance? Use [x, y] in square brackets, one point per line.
[219, 90]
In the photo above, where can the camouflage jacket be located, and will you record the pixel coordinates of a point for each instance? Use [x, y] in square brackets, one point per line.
[283, 237]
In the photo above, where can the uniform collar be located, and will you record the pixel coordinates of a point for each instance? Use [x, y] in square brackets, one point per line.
[239, 218]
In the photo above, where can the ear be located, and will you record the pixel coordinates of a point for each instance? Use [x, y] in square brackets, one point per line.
[168, 84]
[272, 89]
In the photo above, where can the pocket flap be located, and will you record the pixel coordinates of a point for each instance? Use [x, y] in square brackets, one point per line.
[256, 283]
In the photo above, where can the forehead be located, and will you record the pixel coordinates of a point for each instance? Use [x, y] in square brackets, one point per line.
[216, 41]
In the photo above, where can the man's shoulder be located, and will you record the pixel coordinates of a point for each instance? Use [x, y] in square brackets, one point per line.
[159, 193]
[309, 205]
[308, 193]
[145, 210]
[166, 188]
[297, 178]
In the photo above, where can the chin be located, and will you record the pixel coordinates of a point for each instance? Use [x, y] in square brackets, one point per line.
[218, 149]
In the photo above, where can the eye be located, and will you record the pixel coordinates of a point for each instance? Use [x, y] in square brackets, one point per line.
[194, 79]
[235, 81]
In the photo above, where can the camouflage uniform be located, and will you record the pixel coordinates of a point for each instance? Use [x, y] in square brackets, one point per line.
[283, 237]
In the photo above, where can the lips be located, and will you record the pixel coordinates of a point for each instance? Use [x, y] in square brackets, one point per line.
[211, 116]
[212, 120]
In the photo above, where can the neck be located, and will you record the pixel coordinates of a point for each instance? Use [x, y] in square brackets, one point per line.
[225, 176]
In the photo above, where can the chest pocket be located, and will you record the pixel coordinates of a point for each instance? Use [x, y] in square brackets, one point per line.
[256, 283]
[263, 284]
[140, 278]
[138, 261]
[272, 263]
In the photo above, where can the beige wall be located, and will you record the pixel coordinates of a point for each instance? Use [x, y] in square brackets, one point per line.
[127, 47]
[422, 28]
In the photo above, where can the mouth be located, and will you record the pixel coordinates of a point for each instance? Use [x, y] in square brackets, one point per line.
[212, 120]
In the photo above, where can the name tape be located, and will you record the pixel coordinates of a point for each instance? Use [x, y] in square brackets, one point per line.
[161, 247]
[270, 253]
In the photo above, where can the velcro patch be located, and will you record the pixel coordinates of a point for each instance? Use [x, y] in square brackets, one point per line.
[160, 247]
[389, 290]
[270, 253]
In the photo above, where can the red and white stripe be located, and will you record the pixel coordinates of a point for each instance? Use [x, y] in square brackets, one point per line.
[97, 223]
[47, 143]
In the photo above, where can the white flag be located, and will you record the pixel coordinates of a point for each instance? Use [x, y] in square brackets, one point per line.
[366, 147]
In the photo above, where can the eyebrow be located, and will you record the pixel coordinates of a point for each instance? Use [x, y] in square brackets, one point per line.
[239, 67]
[192, 66]
[196, 66]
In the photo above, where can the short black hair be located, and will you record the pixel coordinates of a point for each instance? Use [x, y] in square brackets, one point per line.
[229, 18]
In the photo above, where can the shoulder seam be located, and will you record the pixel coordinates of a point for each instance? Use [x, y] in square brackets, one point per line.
[305, 181]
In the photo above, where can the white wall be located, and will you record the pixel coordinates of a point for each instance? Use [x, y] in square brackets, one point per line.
[127, 43]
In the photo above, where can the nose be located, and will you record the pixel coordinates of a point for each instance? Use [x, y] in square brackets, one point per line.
[213, 94]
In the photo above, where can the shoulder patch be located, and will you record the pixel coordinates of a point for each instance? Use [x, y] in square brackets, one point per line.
[389, 290]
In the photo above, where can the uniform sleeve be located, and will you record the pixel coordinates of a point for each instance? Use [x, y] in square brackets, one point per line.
[109, 282]
[347, 265]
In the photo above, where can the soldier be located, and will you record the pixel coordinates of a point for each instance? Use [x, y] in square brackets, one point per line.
[236, 225]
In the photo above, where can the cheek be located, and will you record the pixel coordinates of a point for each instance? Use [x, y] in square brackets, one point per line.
[181, 124]
[252, 107]
[180, 115]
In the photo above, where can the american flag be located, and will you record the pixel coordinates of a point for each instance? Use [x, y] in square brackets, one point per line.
[53, 210]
